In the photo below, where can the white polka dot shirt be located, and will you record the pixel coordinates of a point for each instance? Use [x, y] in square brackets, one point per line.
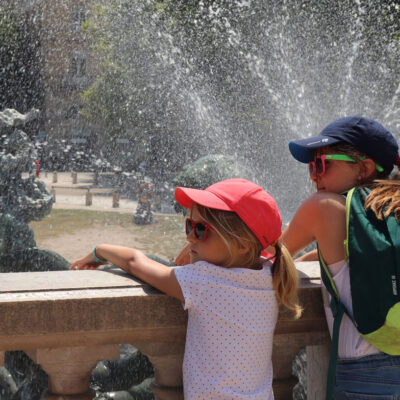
[232, 316]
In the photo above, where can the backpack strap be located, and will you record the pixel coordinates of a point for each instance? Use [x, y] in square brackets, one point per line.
[349, 196]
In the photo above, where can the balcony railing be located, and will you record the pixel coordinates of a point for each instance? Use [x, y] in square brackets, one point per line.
[67, 321]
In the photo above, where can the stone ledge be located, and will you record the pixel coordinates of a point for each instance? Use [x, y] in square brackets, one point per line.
[67, 310]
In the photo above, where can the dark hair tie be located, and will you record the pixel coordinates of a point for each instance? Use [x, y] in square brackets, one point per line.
[397, 162]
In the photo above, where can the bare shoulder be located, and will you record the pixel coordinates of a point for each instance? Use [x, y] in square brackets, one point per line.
[327, 198]
[330, 225]
[320, 215]
[324, 203]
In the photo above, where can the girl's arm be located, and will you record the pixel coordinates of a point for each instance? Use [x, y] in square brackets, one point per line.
[300, 232]
[322, 217]
[137, 264]
[309, 256]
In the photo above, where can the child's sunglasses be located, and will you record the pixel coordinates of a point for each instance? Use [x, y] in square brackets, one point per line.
[200, 229]
[318, 165]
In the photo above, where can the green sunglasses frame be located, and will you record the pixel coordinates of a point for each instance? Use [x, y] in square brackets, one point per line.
[338, 157]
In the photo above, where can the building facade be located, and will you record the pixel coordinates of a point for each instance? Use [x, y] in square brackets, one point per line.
[69, 65]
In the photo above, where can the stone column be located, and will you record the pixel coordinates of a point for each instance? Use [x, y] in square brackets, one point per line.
[167, 359]
[69, 368]
[88, 198]
[115, 200]
[53, 193]
[317, 367]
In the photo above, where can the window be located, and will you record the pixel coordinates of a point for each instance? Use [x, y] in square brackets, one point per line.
[78, 64]
[73, 112]
[78, 17]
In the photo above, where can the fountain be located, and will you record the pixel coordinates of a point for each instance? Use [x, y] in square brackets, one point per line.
[22, 200]
[242, 79]
[186, 80]
[144, 214]
[208, 170]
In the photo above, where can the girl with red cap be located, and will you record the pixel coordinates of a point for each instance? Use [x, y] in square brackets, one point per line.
[230, 291]
[352, 152]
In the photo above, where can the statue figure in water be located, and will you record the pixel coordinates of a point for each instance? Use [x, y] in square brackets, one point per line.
[144, 214]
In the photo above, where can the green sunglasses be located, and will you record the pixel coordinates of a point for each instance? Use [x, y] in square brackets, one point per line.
[318, 165]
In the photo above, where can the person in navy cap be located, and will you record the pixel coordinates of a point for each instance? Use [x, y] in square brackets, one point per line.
[350, 152]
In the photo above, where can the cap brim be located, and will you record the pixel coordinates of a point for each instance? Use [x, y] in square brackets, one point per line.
[302, 149]
[187, 196]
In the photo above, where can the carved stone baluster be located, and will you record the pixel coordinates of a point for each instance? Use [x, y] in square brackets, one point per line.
[69, 368]
[167, 361]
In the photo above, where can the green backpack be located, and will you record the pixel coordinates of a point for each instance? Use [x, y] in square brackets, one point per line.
[373, 255]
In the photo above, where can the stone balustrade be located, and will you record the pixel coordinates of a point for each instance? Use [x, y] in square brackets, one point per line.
[67, 321]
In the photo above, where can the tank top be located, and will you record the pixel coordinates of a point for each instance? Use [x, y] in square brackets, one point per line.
[351, 343]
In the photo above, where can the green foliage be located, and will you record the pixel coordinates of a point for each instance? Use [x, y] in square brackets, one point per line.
[8, 31]
[103, 104]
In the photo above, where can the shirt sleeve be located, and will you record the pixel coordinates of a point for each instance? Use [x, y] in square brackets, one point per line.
[191, 278]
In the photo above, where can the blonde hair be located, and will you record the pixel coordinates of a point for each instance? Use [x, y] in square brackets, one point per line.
[237, 235]
[384, 198]
[286, 280]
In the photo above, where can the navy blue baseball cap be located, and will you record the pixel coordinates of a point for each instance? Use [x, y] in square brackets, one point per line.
[364, 134]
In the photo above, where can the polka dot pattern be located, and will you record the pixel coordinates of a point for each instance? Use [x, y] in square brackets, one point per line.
[232, 316]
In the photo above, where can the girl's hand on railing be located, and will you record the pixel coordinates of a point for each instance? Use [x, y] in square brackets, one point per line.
[86, 262]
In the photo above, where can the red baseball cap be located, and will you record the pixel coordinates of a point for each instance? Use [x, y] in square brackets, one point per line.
[256, 208]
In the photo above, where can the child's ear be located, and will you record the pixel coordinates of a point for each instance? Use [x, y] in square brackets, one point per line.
[368, 168]
[243, 248]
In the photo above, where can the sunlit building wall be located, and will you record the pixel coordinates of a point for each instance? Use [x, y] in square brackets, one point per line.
[68, 64]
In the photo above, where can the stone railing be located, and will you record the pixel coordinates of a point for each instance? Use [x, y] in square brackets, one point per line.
[67, 321]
